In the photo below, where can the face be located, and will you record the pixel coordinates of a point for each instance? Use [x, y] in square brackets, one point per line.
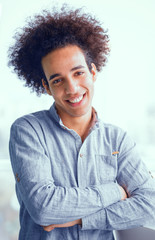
[70, 82]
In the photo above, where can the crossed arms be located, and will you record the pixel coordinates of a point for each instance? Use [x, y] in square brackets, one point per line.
[78, 221]
[95, 205]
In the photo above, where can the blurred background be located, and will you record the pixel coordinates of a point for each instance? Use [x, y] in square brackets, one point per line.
[124, 91]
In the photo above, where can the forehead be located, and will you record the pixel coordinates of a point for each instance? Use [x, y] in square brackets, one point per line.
[68, 56]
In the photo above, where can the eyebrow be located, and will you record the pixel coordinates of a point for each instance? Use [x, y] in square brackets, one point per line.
[58, 74]
[53, 76]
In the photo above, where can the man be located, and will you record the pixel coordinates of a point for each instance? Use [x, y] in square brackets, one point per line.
[76, 177]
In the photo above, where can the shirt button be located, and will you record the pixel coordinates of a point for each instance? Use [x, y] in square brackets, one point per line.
[18, 179]
[151, 174]
[81, 155]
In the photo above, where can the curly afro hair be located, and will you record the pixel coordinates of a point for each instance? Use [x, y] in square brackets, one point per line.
[51, 30]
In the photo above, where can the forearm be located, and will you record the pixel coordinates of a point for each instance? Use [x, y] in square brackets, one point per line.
[64, 225]
[78, 221]
[50, 204]
[135, 211]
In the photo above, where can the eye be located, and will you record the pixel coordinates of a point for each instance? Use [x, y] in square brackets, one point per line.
[79, 73]
[57, 81]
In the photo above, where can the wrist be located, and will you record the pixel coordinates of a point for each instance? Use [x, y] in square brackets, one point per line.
[123, 193]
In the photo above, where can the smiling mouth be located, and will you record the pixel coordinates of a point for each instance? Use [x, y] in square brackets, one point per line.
[77, 99]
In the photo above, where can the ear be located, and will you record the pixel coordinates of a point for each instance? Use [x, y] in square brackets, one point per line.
[46, 87]
[93, 71]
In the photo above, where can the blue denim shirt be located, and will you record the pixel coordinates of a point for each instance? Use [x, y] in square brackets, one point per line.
[60, 179]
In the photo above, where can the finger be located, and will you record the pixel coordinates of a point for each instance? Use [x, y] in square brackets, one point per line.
[48, 228]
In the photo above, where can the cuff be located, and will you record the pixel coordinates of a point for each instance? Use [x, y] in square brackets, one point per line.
[94, 221]
[110, 193]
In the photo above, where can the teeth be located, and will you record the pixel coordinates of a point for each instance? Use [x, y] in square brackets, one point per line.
[76, 100]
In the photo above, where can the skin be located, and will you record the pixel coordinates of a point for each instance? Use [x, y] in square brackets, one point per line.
[70, 79]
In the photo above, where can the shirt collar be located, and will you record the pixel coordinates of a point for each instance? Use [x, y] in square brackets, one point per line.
[53, 113]
[55, 116]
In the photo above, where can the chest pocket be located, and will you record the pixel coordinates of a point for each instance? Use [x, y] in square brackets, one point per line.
[106, 168]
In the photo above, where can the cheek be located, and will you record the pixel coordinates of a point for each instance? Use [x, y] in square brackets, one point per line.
[56, 93]
[89, 84]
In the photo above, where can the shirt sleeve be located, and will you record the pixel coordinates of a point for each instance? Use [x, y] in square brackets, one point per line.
[47, 203]
[139, 208]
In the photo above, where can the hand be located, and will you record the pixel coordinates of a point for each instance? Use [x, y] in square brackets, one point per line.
[68, 224]
[124, 194]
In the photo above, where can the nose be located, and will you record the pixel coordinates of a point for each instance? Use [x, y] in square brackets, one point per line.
[71, 86]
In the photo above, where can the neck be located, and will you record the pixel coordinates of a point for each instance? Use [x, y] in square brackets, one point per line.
[79, 124]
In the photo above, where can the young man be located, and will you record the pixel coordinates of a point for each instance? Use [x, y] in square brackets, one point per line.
[76, 177]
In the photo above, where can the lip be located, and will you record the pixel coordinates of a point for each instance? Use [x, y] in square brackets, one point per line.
[77, 103]
[75, 97]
